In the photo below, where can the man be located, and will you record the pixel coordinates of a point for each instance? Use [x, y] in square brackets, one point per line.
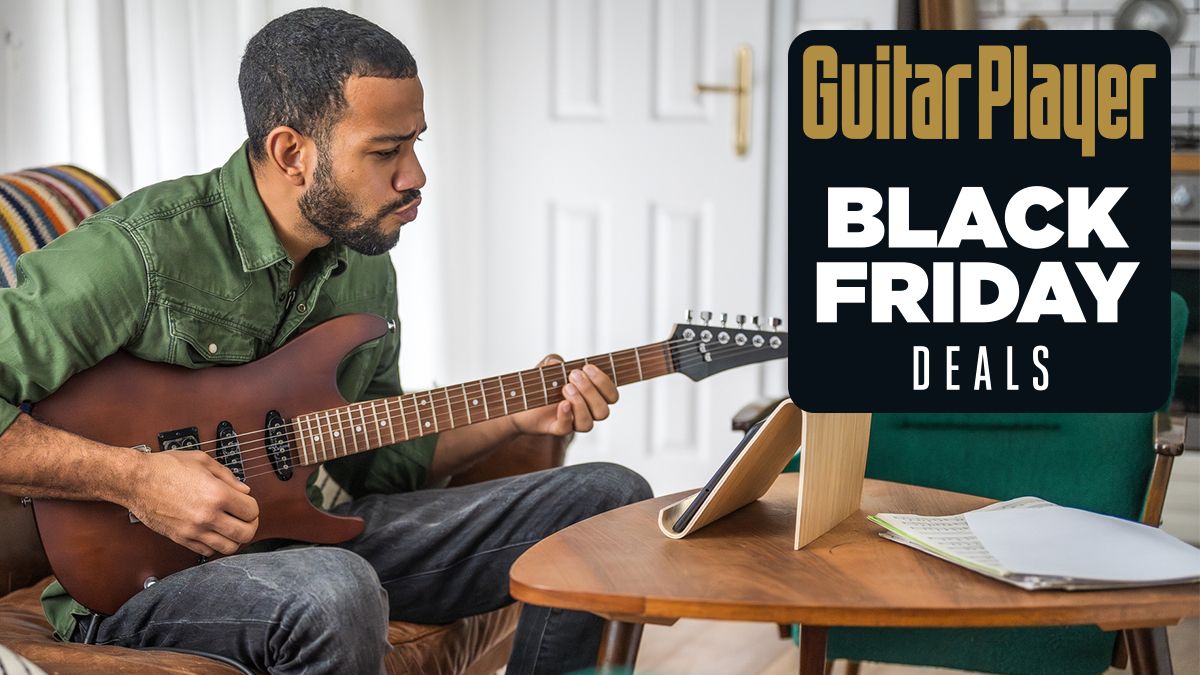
[225, 267]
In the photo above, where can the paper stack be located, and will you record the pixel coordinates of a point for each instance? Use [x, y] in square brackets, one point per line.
[1031, 543]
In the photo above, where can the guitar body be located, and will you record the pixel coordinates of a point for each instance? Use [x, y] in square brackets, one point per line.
[99, 553]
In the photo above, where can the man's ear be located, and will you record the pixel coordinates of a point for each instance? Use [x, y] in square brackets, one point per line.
[290, 154]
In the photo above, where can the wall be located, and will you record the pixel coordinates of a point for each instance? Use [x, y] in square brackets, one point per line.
[1098, 14]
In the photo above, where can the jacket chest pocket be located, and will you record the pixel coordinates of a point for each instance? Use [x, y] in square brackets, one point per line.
[197, 343]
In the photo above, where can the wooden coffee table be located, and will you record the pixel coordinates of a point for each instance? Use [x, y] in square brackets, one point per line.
[742, 568]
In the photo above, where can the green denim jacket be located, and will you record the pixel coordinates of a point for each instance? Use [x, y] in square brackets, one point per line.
[190, 272]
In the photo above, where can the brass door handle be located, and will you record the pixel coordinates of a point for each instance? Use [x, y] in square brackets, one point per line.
[741, 91]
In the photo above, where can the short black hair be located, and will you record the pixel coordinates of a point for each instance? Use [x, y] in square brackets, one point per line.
[295, 69]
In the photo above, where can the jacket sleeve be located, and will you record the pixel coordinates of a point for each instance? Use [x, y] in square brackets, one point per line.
[77, 301]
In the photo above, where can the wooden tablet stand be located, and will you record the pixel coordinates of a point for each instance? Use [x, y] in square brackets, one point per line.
[833, 460]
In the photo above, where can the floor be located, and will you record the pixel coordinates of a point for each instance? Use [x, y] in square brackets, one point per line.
[737, 648]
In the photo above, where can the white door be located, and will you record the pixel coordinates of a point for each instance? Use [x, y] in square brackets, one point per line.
[614, 201]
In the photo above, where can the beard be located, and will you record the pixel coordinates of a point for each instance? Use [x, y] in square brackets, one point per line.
[329, 208]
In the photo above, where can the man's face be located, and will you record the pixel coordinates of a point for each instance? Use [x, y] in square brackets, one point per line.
[367, 182]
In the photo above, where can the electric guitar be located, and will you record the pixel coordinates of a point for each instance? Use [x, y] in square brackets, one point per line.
[273, 421]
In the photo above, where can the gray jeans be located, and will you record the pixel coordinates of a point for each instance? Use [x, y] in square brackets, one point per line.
[430, 556]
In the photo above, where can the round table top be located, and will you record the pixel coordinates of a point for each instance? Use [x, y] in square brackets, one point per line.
[743, 567]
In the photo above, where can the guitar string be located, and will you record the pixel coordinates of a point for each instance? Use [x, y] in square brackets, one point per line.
[264, 465]
[486, 388]
[374, 418]
[376, 415]
[493, 385]
[266, 461]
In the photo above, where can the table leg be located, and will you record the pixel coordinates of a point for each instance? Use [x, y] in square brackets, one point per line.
[812, 649]
[618, 647]
[1149, 653]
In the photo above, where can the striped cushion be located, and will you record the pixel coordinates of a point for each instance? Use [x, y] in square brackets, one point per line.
[37, 205]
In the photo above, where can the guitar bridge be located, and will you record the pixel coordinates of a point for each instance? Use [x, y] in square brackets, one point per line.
[187, 438]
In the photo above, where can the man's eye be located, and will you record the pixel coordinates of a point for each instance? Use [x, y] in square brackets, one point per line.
[388, 153]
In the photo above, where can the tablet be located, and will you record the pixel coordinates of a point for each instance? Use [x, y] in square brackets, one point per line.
[744, 476]
[833, 458]
[681, 523]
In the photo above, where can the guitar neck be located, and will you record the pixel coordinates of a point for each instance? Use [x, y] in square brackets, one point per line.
[359, 427]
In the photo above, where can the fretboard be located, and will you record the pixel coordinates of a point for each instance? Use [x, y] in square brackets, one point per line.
[328, 434]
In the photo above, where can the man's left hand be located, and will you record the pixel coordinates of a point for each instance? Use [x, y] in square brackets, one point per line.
[588, 393]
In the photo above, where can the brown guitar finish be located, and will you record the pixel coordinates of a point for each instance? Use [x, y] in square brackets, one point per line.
[102, 558]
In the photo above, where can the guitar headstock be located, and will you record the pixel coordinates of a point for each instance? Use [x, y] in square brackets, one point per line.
[707, 347]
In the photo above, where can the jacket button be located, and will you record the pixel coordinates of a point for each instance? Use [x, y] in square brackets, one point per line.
[302, 308]
[212, 349]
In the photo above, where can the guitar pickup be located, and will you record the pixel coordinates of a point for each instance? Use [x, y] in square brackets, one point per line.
[229, 450]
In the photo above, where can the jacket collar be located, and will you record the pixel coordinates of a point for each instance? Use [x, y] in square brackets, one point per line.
[253, 235]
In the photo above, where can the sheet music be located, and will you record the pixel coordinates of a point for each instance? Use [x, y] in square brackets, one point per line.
[951, 535]
[1049, 549]
[1072, 543]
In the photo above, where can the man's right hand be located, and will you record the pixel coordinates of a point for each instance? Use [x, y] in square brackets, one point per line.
[192, 499]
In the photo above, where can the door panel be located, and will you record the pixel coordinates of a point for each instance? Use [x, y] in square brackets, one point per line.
[614, 202]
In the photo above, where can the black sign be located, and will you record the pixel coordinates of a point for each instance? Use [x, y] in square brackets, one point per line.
[979, 221]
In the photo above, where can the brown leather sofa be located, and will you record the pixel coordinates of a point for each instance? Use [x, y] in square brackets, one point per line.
[472, 646]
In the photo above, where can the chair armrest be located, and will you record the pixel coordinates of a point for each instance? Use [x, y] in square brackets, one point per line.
[1167, 446]
[524, 454]
[1173, 442]
[755, 412]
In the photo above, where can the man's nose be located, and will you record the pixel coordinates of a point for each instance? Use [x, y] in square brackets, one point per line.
[411, 176]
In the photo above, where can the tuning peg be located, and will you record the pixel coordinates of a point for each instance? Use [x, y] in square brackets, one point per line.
[741, 319]
[724, 318]
[754, 322]
[706, 316]
[776, 322]
[688, 316]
